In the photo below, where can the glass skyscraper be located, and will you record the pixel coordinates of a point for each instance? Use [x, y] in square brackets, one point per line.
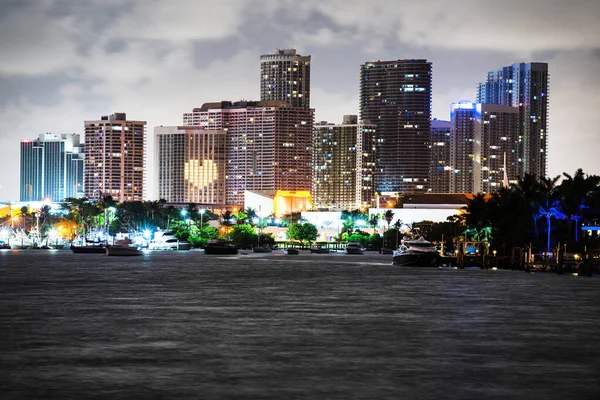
[51, 168]
[524, 86]
[396, 97]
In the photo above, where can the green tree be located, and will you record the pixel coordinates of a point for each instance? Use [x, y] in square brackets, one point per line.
[388, 216]
[303, 232]
[243, 236]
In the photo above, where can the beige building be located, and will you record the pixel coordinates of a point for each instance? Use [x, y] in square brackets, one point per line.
[114, 158]
[269, 145]
[344, 165]
[190, 164]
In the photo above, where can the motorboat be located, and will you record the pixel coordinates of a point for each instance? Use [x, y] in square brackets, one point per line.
[262, 249]
[4, 245]
[167, 241]
[292, 251]
[416, 253]
[219, 246]
[354, 248]
[318, 249]
[123, 247]
[88, 249]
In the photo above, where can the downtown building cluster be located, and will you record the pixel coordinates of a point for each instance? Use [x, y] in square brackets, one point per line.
[224, 150]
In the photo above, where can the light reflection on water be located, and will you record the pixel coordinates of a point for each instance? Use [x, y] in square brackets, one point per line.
[272, 326]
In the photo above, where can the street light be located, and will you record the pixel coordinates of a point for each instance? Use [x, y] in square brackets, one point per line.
[202, 211]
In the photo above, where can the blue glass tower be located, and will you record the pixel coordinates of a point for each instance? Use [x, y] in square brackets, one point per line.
[51, 168]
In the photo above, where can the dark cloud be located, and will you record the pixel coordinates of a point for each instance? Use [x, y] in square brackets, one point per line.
[115, 46]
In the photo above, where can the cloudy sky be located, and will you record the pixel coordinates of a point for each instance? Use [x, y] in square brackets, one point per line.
[65, 61]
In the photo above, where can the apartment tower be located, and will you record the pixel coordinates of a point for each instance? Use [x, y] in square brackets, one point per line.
[483, 136]
[190, 163]
[441, 172]
[52, 167]
[396, 97]
[344, 164]
[269, 144]
[115, 158]
[524, 86]
[285, 76]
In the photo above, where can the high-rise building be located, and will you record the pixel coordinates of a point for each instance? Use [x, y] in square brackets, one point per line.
[190, 165]
[344, 163]
[269, 144]
[482, 136]
[115, 158]
[52, 167]
[441, 172]
[524, 86]
[285, 76]
[396, 97]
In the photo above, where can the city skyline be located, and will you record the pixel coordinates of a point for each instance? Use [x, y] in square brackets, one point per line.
[58, 73]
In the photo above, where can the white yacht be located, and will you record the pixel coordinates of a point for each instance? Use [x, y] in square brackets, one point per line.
[165, 240]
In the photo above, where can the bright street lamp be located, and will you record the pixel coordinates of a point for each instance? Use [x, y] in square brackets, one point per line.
[202, 211]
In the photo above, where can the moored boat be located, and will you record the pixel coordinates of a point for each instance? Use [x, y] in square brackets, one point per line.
[94, 249]
[219, 246]
[318, 249]
[262, 249]
[354, 248]
[123, 247]
[416, 253]
[165, 240]
[292, 251]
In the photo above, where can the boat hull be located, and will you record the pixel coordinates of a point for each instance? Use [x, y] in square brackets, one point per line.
[88, 249]
[416, 260]
[220, 250]
[123, 251]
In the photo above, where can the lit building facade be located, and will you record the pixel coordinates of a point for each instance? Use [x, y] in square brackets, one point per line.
[524, 86]
[285, 76]
[344, 165]
[482, 136]
[115, 158]
[396, 97]
[441, 172]
[269, 145]
[51, 168]
[190, 163]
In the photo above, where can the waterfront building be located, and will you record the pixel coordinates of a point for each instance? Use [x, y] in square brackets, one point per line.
[190, 165]
[483, 136]
[51, 168]
[441, 172]
[285, 76]
[115, 158]
[525, 86]
[396, 97]
[269, 144]
[344, 164]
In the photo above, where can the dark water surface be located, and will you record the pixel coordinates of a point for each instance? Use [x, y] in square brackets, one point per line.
[271, 326]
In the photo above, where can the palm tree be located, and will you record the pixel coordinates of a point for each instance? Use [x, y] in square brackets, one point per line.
[575, 191]
[388, 216]
[374, 221]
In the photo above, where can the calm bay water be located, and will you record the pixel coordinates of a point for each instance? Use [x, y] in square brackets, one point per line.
[185, 325]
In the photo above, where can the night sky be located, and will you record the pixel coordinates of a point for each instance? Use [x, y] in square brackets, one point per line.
[63, 62]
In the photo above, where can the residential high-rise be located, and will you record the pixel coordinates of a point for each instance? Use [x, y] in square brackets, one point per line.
[524, 86]
[52, 167]
[441, 172]
[269, 144]
[396, 97]
[285, 76]
[115, 158]
[190, 165]
[344, 163]
[482, 134]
